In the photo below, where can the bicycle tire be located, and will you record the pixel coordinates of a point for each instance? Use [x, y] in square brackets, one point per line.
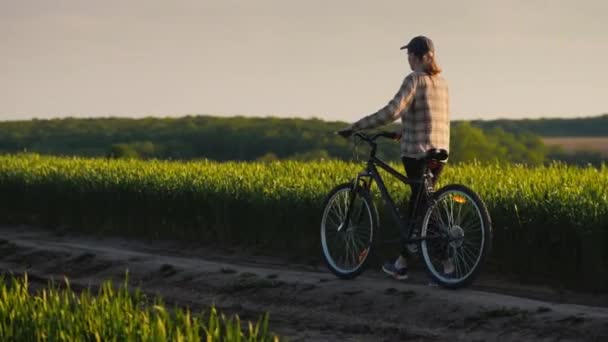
[329, 224]
[462, 245]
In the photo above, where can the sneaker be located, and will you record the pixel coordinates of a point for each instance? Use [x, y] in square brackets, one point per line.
[397, 273]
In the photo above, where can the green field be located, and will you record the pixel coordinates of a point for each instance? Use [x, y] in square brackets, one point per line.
[114, 314]
[578, 144]
[550, 223]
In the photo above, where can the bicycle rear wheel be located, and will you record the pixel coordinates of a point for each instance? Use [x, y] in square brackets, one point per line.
[346, 246]
[457, 234]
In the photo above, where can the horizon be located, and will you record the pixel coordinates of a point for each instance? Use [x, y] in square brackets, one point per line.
[335, 62]
[272, 117]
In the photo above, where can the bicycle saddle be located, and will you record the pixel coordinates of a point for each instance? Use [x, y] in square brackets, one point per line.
[437, 154]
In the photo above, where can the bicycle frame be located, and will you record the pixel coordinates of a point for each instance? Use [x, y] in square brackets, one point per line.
[371, 171]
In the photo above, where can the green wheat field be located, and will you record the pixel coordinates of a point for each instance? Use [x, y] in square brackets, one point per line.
[550, 223]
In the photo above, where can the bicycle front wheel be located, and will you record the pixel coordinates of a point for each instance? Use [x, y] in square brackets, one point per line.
[457, 236]
[346, 246]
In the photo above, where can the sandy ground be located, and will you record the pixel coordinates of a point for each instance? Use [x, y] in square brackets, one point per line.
[307, 303]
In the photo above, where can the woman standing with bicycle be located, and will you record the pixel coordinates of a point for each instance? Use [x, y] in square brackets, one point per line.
[422, 103]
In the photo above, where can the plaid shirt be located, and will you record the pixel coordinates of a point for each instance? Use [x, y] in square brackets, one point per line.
[424, 107]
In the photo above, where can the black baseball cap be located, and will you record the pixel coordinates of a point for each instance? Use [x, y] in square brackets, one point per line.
[419, 46]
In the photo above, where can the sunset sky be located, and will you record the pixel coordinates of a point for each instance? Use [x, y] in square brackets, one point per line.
[331, 59]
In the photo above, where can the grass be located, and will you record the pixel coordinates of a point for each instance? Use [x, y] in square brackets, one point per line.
[57, 313]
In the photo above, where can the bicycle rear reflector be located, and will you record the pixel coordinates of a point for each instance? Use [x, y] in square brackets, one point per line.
[459, 199]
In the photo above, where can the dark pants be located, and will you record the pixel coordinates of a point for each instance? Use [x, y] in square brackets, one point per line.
[414, 168]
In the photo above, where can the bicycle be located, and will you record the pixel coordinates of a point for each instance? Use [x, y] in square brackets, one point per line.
[453, 224]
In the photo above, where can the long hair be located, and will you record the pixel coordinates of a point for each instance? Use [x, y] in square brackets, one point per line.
[430, 64]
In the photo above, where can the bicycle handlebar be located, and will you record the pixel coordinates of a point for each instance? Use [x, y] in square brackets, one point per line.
[372, 138]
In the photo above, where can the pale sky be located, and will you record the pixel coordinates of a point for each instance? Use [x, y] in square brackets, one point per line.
[331, 59]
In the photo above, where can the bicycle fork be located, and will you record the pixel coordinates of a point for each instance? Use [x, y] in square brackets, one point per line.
[352, 194]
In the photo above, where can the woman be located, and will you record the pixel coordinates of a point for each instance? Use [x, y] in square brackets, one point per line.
[422, 102]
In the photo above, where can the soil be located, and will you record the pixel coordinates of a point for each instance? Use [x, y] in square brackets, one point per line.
[306, 302]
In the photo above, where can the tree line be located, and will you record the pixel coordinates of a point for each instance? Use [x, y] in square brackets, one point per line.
[551, 127]
[247, 139]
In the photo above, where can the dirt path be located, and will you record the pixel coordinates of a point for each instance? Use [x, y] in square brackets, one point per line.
[307, 303]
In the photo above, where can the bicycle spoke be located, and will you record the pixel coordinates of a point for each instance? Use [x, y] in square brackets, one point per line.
[360, 240]
[447, 213]
[356, 246]
[472, 223]
[345, 200]
[473, 242]
[342, 205]
[346, 252]
[464, 259]
[359, 246]
[331, 233]
[464, 269]
[365, 240]
[459, 215]
[351, 243]
[356, 215]
[474, 245]
[341, 211]
[337, 212]
[452, 210]
[462, 216]
[473, 257]
[456, 263]
[336, 249]
[354, 251]
[473, 233]
[470, 262]
[465, 263]
[362, 228]
[333, 222]
[438, 219]
[472, 248]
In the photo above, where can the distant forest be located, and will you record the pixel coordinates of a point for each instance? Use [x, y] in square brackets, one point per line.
[581, 127]
[266, 139]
